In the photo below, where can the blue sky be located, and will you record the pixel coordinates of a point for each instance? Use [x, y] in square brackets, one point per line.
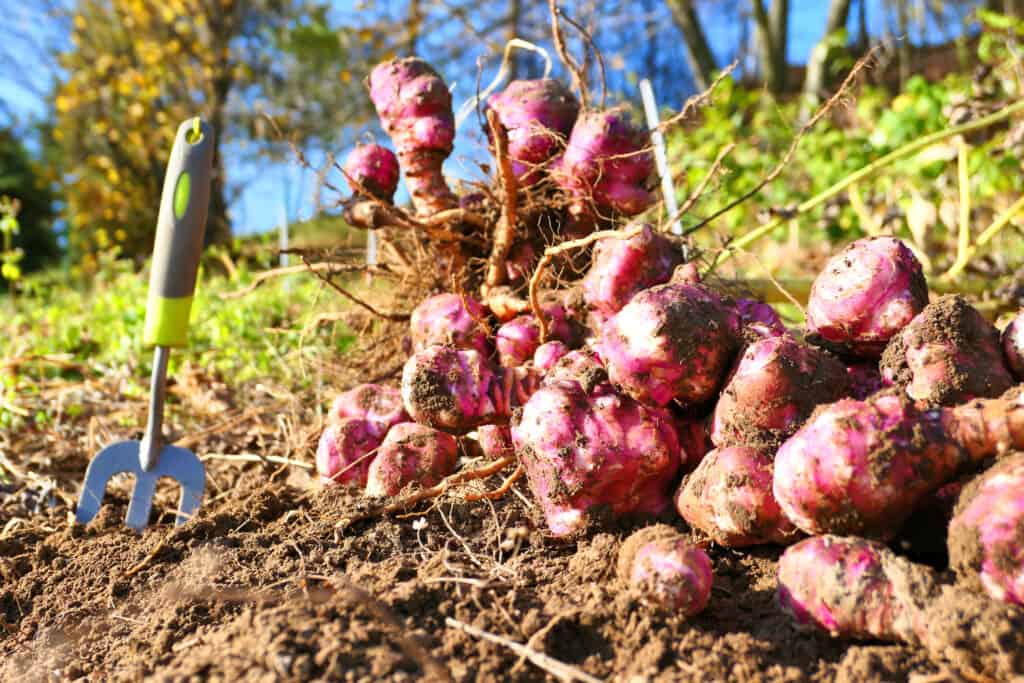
[273, 188]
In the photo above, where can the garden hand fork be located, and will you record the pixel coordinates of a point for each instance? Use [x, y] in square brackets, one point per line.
[179, 242]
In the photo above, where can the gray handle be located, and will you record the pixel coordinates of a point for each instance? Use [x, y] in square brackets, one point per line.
[179, 234]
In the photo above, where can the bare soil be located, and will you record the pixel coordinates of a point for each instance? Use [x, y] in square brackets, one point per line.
[274, 582]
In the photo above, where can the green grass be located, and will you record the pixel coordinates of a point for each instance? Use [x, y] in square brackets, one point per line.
[97, 326]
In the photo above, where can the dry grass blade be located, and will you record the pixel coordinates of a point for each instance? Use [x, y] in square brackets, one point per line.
[326, 279]
[698, 191]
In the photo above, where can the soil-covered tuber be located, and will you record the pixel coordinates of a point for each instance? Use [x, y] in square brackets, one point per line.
[606, 165]
[666, 569]
[588, 447]
[854, 588]
[411, 453]
[494, 441]
[861, 467]
[866, 294]
[450, 319]
[947, 355]
[670, 342]
[986, 534]
[773, 389]
[538, 116]
[373, 169]
[864, 378]
[415, 109]
[456, 390]
[729, 498]
[345, 450]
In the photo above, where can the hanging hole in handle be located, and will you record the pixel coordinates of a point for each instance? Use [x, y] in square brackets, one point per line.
[195, 135]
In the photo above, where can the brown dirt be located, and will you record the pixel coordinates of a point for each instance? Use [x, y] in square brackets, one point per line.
[266, 585]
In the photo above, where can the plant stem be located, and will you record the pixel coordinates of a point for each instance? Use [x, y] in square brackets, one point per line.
[867, 171]
[963, 238]
[984, 238]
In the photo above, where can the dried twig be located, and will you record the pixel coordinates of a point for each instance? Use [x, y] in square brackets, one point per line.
[589, 40]
[262, 277]
[699, 190]
[326, 279]
[579, 79]
[551, 252]
[697, 100]
[547, 663]
[147, 559]
[505, 230]
[861, 64]
[500, 491]
[255, 457]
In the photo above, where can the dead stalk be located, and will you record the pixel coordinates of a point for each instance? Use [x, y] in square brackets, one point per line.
[505, 231]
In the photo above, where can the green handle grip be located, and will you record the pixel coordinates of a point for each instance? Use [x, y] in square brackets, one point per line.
[179, 235]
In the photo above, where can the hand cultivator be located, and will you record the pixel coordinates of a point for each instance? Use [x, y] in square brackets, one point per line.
[179, 242]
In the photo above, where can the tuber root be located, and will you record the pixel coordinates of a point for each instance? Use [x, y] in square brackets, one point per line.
[670, 342]
[622, 267]
[345, 450]
[1013, 346]
[374, 169]
[379, 405]
[606, 165]
[450, 319]
[457, 390]
[538, 115]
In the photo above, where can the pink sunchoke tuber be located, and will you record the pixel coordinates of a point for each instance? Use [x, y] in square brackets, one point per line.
[666, 569]
[411, 453]
[548, 354]
[854, 588]
[729, 498]
[606, 165]
[773, 389]
[866, 294]
[947, 355]
[622, 267]
[415, 109]
[374, 169]
[538, 116]
[986, 534]
[518, 339]
[450, 319]
[588, 447]
[345, 451]
[861, 467]
[379, 405]
[1013, 346]
[670, 342]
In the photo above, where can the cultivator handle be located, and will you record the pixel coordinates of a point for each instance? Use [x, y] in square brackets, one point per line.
[179, 235]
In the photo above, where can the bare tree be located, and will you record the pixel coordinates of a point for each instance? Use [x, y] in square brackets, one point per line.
[814, 80]
[698, 52]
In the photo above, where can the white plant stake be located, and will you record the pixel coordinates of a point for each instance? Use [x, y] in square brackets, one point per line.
[668, 190]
